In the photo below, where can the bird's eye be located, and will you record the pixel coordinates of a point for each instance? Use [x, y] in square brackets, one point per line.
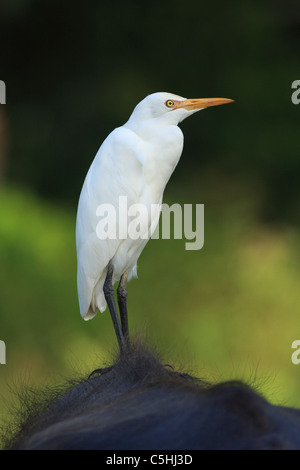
[169, 103]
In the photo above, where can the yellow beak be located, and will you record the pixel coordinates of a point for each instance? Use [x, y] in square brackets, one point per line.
[201, 103]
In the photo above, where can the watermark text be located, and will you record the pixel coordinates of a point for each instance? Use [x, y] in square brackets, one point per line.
[2, 352]
[296, 94]
[2, 92]
[296, 354]
[139, 221]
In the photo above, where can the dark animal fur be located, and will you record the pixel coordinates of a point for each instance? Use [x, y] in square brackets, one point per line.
[141, 404]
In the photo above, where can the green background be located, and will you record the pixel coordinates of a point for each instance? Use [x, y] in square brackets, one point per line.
[73, 72]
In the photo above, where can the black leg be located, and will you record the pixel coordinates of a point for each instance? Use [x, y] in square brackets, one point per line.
[122, 302]
[108, 290]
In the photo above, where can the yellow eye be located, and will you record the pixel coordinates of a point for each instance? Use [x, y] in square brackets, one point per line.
[169, 104]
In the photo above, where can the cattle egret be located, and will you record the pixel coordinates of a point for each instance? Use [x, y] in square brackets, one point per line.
[134, 162]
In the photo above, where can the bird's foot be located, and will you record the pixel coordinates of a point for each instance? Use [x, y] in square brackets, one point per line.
[103, 370]
[184, 375]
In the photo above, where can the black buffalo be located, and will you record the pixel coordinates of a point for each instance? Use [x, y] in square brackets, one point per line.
[140, 403]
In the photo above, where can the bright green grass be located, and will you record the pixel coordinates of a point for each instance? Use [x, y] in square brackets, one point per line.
[230, 310]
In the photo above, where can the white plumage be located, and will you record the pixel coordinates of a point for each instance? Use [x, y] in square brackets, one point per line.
[136, 160]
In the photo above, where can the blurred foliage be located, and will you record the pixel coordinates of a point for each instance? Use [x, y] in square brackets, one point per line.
[73, 72]
[228, 311]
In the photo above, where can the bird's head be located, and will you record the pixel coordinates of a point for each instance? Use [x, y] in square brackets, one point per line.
[171, 109]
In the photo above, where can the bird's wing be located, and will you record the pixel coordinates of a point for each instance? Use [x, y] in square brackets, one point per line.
[116, 171]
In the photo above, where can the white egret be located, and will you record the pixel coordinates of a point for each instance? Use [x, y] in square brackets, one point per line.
[135, 161]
